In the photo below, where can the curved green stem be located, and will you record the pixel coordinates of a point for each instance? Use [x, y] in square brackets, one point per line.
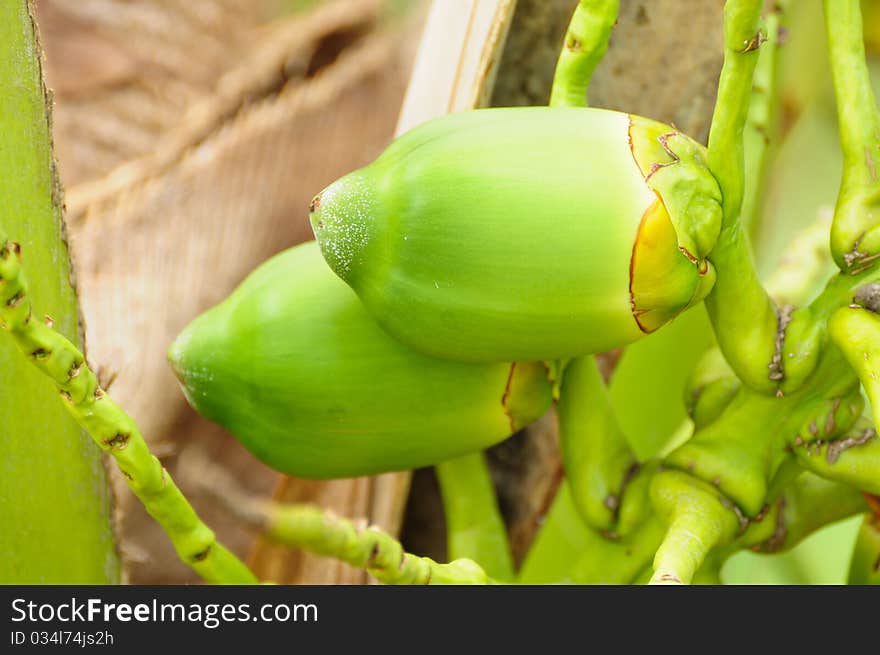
[743, 317]
[368, 548]
[597, 459]
[853, 458]
[585, 44]
[474, 527]
[111, 428]
[321, 532]
[855, 237]
[699, 519]
[856, 331]
[806, 504]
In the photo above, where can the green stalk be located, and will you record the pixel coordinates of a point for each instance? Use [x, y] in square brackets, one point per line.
[698, 520]
[864, 566]
[742, 314]
[762, 117]
[55, 502]
[367, 548]
[597, 458]
[474, 527]
[586, 42]
[111, 428]
[855, 238]
[321, 532]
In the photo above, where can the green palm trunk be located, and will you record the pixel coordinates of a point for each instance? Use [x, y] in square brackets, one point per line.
[54, 498]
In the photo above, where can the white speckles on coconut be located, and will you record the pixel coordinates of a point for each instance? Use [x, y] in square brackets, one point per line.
[340, 217]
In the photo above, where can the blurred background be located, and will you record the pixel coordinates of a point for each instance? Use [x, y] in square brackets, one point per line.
[191, 134]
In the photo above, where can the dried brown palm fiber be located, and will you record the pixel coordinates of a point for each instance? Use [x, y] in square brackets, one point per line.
[282, 56]
[117, 69]
[156, 251]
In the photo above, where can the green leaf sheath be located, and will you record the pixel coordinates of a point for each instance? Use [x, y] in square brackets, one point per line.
[474, 527]
[55, 502]
[113, 430]
[598, 461]
[585, 44]
[743, 316]
[855, 237]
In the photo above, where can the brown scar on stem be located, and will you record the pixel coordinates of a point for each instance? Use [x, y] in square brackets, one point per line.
[777, 372]
[868, 297]
[874, 503]
[854, 256]
[315, 203]
[733, 507]
[613, 501]
[371, 558]
[75, 370]
[202, 555]
[830, 422]
[119, 441]
[838, 447]
[754, 43]
[574, 45]
[506, 396]
[777, 539]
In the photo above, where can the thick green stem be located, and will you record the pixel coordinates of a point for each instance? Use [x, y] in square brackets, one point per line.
[856, 331]
[585, 44]
[699, 519]
[323, 533]
[743, 317]
[474, 527]
[807, 504]
[111, 428]
[597, 458]
[762, 117]
[853, 458]
[855, 237]
[864, 568]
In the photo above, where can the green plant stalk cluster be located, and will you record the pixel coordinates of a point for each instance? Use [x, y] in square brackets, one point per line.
[111, 429]
[696, 521]
[747, 478]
